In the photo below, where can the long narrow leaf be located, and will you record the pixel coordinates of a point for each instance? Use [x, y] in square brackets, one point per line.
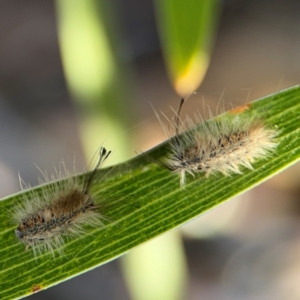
[143, 200]
[186, 30]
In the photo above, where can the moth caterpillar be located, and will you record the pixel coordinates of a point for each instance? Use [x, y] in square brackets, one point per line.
[217, 145]
[61, 211]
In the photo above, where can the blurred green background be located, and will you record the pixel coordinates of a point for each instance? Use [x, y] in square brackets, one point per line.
[68, 84]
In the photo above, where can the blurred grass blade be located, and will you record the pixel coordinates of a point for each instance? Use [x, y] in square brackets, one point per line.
[94, 74]
[157, 270]
[186, 31]
[86, 54]
[150, 202]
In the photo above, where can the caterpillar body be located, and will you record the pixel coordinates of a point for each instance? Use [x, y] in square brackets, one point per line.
[61, 211]
[218, 145]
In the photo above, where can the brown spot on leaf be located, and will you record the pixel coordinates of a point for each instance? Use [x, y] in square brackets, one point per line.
[240, 109]
[35, 288]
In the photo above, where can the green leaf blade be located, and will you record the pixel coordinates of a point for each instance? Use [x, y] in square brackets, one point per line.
[143, 200]
[186, 30]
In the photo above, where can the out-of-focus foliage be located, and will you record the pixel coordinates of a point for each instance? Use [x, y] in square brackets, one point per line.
[187, 30]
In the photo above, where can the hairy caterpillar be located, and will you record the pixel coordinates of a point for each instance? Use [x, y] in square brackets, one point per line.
[217, 145]
[60, 212]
